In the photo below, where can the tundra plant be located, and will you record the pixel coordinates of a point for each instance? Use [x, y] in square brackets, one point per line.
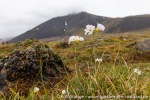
[137, 71]
[90, 29]
[75, 40]
[36, 89]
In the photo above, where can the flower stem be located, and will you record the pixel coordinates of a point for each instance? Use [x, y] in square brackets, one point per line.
[41, 73]
[94, 52]
[75, 58]
[93, 46]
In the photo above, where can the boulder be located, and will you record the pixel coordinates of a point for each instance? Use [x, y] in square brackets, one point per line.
[143, 46]
[143, 50]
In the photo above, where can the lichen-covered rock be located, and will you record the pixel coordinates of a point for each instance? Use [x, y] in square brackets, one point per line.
[143, 49]
[25, 65]
[144, 45]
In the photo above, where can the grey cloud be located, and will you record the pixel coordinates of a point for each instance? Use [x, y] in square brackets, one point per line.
[18, 16]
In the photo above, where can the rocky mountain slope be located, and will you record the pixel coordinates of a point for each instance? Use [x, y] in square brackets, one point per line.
[75, 24]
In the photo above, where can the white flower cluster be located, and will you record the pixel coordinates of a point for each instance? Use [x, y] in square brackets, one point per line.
[137, 71]
[90, 28]
[63, 92]
[100, 27]
[98, 60]
[75, 39]
[36, 89]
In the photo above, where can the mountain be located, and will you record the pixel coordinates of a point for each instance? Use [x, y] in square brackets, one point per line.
[1, 41]
[9, 38]
[75, 24]
[127, 24]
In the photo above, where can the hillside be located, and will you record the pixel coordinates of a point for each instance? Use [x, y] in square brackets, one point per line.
[127, 24]
[75, 24]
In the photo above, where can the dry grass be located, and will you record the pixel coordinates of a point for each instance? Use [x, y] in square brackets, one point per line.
[113, 78]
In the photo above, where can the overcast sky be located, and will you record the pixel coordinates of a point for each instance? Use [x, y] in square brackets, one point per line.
[18, 16]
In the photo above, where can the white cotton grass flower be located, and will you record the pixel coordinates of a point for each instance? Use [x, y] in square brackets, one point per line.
[81, 38]
[137, 71]
[89, 29]
[72, 38]
[75, 39]
[63, 92]
[100, 27]
[98, 60]
[36, 89]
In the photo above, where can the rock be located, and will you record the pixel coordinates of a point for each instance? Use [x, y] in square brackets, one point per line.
[23, 66]
[62, 45]
[143, 46]
[143, 50]
[123, 38]
[100, 39]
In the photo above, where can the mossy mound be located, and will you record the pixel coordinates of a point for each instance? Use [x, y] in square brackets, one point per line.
[25, 66]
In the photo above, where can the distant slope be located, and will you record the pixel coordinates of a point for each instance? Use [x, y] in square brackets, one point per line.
[131, 23]
[1, 41]
[76, 23]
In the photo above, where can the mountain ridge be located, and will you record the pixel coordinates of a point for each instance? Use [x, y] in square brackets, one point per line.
[76, 23]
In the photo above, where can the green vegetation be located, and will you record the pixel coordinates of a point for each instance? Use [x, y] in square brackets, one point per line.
[111, 78]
